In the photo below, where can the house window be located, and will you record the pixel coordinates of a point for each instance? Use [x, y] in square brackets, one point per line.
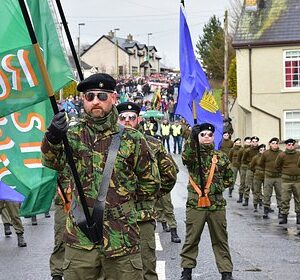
[292, 124]
[121, 70]
[292, 69]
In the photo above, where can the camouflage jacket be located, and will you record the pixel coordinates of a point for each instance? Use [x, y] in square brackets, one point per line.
[168, 175]
[223, 176]
[135, 178]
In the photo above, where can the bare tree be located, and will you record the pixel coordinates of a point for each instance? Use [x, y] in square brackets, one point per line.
[234, 14]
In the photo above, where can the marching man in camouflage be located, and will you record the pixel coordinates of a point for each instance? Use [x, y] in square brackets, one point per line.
[286, 162]
[134, 178]
[217, 175]
[129, 116]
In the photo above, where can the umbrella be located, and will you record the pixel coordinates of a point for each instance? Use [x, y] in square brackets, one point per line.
[153, 113]
[8, 193]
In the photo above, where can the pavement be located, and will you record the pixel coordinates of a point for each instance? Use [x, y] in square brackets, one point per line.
[260, 249]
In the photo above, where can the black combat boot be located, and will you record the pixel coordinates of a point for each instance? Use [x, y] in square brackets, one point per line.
[174, 236]
[271, 210]
[21, 241]
[255, 207]
[165, 227]
[283, 219]
[298, 219]
[266, 213]
[279, 213]
[57, 277]
[34, 221]
[230, 191]
[186, 274]
[47, 215]
[260, 204]
[226, 276]
[240, 200]
[7, 230]
[246, 202]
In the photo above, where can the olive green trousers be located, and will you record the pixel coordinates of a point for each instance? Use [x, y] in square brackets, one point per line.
[12, 209]
[82, 264]
[195, 222]
[147, 235]
[58, 255]
[165, 211]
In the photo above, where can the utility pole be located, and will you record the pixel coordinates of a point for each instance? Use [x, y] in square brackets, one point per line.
[225, 99]
[148, 58]
[117, 55]
[78, 48]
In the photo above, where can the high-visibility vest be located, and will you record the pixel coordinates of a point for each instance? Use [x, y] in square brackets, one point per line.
[149, 126]
[165, 129]
[176, 130]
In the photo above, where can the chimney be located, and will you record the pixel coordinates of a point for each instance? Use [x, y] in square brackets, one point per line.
[111, 34]
[254, 5]
[129, 38]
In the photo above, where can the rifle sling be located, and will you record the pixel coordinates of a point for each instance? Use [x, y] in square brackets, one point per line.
[99, 206]
[209, 179]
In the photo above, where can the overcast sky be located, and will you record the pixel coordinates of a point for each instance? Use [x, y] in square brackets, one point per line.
[159, 17]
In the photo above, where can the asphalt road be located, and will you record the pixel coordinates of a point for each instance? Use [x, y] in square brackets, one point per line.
[261, 250]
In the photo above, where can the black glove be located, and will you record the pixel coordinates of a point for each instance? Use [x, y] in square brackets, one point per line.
[195, 132]
[58, 128]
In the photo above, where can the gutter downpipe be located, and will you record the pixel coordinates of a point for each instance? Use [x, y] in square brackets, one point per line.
[251, 93]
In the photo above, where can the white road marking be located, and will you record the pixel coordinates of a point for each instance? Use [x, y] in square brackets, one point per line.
[157, 242]
[160, 269]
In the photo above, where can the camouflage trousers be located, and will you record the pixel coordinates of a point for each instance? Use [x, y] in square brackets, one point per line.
[289, 188]
[58, 255]
[257, 190]
[249, 183]
[165, 211]
[269, 184]
[81, 264]
[243, 171]
[13, 218]
[217, 225]
[147, 235]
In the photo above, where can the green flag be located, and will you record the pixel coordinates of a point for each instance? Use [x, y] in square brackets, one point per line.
[20, 141]
[25, 113]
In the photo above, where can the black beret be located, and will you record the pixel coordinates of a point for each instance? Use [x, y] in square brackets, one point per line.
[97, 81]
[206, 126]
[293, 141]
[262, 146]
[237, 139]
[128, 107]
[255, 138]
[247, 138]
[274, 139]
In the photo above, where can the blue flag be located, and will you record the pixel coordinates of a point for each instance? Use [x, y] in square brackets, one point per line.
[194, 86]
[9, 194]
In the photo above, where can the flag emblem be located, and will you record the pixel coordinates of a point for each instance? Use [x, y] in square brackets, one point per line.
[208, 103]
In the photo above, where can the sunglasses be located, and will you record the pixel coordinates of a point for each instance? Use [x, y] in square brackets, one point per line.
[290, 144]
[209, 134]
[90, 96]
[129, 117]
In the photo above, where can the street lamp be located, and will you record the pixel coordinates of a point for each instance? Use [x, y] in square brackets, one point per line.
[148, 52]
[117, 57]
[78, 47]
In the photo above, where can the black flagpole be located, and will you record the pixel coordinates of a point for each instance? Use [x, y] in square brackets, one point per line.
[68, 150]
[68, 34]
